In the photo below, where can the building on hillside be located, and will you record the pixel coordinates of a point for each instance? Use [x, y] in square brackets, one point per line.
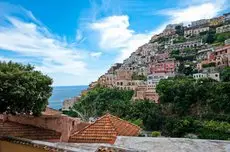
[198, 23]
[168, 32]
[146, 92]
[188, 44]
[215, 76]
[101, 81]
[93, 84]
[114, 68]
[106, 129]
[226, 17]
[68, 103]
[128, 84]
[143, 70]
[216, 21]
[161, 56]
[195, 31]
[203, 54]
[110, 80]
[222, 29]
[153, 79]
[227, 42]
[124, 74]
[166, 66]
[223, 56]
[155, 37]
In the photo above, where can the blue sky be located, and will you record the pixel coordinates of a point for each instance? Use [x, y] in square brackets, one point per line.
[76, 41]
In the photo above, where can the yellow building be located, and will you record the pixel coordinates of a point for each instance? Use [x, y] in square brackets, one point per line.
[216, 21]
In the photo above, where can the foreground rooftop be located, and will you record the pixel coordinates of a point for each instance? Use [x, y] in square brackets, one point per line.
[129, 144]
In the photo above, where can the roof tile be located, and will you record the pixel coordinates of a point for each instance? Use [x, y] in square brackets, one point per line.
[8, 128]
[105, 130]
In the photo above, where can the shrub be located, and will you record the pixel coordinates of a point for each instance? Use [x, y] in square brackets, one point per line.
[137, 122]
[156, 134]
[190, 135]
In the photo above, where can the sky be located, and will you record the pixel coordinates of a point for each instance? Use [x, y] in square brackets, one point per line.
[76, 41]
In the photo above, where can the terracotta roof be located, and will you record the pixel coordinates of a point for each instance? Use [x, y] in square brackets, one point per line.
[8, 128]
[105, 130]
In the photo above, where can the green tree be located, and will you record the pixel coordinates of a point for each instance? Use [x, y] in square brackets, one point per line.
[179, 30]
[22, 89]
[209, 37]
[225, 74]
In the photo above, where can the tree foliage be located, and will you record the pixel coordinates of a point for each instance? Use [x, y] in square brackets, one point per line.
[225, 74]
[22, 89]
[187, 106]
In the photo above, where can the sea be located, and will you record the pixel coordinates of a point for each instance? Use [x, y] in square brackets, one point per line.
[60, 93]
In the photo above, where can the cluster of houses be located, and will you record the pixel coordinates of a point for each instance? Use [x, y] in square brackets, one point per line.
[153, 61]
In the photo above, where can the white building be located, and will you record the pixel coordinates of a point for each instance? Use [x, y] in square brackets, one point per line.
[215, 76]
[128, 84]
[199, 22]
[226, 17]
[188, 44]
[222, 29]
[227, 42]
[153, 79]
[195, 31]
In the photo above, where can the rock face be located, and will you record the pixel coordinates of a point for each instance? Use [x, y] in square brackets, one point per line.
[172, 144]
[68, 103]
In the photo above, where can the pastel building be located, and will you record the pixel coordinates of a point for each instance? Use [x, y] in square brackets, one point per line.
[124, 74]
[222, 29]
[188, 44]
[223, 56]
[195, 31]
[199, 22]
[146, 92]
[215, 76]
[226, 17]
[128, 84]
[167, 66]
[216, 21]
[153, 79]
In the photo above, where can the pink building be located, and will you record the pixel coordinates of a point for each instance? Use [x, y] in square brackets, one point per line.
[167, 66]
[162, 56]
[223, 56]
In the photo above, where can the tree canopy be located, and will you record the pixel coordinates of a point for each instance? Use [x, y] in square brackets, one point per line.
[23, 89]
[200, 107]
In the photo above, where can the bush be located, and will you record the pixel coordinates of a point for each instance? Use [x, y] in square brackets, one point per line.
[156, 134]
[137, 122]
[22, 89]
[192, 136]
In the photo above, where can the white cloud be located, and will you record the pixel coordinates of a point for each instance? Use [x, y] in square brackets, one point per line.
[32, 42]
[96, 54]
[203, 9]
[115, 34]
[29, 39]
[113, 31]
